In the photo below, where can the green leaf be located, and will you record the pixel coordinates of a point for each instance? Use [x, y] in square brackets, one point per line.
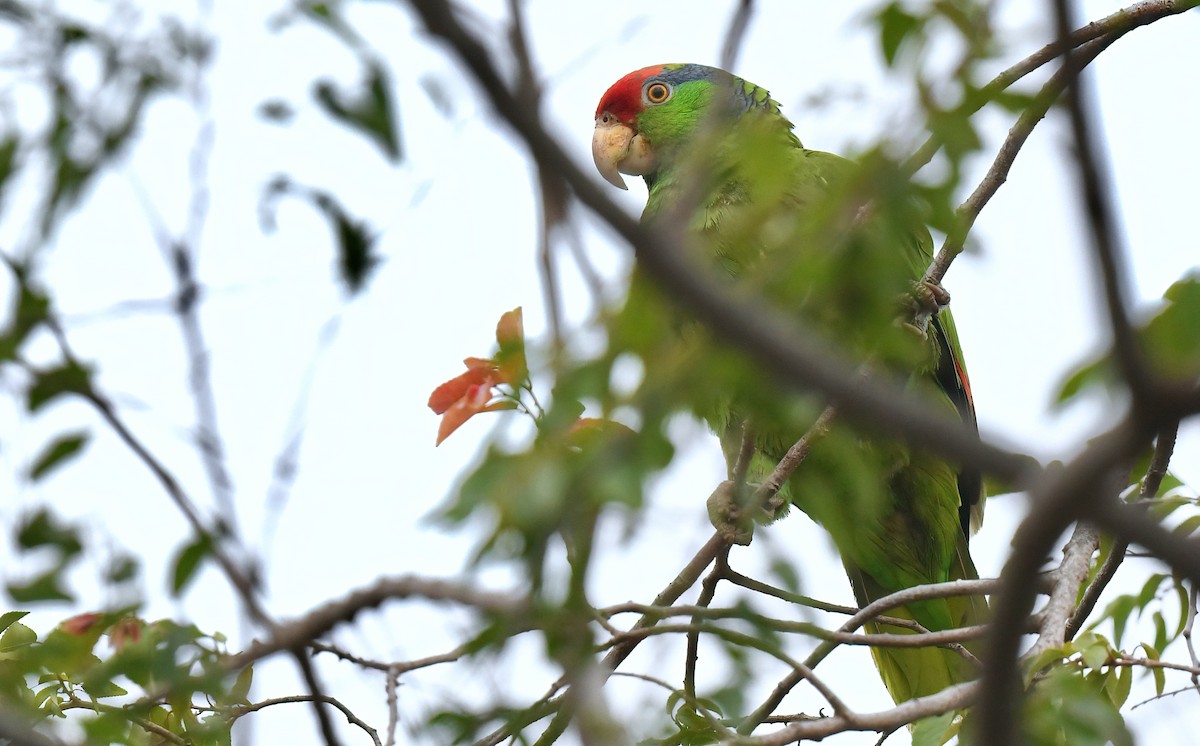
[45, 587]
[239, 693]
[121, 569]
[1170, 338]
[98, 689]
[276, 111]
[58, 452]
[8, 617]
[355, 239]
[1160, 631]
[50, 384]
[1188, 526]
[1150, 589]
[1159, 674]
[1013, 100]
[16, 635]
[47, 692]
[933, 731]
[371, 111]
[896, 27]
[1181, 594]
[1064, 708]
[187, 562]
[8, 161]
[1089, 375]
[1117, 682]
[1095, 655]
[43, 529]
[1044, 659]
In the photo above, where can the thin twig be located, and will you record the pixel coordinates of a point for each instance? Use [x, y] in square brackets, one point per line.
[708, 589]
[1187, 635]
[320, 620]
[769, 487]
[553, 194]
[317, 699]
[718, 727]
[870, 612]
[736, 34]
[952, 698]
[1115, 25]
[393, 704]
[1095, 187]
[997, 174]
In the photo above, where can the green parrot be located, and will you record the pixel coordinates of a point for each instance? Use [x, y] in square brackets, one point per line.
[837, 243]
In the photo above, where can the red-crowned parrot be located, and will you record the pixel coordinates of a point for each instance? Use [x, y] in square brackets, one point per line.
[836, 242]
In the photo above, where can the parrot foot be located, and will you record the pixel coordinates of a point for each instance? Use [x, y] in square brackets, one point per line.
[733, 519]
[926, 299]
[929, 296]
[728, 515]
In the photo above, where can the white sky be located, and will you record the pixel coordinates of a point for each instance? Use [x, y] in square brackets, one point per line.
[457, 223]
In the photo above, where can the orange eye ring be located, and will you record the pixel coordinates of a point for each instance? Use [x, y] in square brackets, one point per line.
[657, 92]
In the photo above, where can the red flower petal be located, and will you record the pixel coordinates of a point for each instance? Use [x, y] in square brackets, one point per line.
[81, 623]
[474, 401]
[444, 396]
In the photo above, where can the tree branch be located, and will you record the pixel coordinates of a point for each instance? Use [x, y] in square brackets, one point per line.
[952, 698]
[1164, 446]
[302, 631]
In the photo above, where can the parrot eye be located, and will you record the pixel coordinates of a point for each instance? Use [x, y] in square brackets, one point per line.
[657, 92]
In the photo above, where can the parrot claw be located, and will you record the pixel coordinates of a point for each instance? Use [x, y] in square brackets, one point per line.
[926, 299]
[929, 297]
[728, 516]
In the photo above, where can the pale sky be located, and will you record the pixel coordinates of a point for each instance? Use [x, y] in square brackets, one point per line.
[457, 227]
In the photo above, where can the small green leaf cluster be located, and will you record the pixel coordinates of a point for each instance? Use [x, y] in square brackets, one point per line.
[158, 679]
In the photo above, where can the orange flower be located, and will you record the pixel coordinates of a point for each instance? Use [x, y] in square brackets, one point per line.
[480, 372]
[465, 396]
[472, 392]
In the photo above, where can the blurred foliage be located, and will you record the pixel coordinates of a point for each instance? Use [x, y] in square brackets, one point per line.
[1168, 339]
[173, 679]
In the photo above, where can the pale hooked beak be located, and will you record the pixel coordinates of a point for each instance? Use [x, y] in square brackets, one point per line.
[618, 149]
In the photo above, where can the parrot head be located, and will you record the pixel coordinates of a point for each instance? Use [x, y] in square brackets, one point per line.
[648, 117]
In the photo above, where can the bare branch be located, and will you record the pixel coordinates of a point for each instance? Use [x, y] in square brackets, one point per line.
[769, 487]
[1164, 446]
[870, 612]
[708, 589]
[1058, 498]
[393, 705]
[317, 622]
[1066, 580]
[952, 698]
[318, 699]
[1188, 639]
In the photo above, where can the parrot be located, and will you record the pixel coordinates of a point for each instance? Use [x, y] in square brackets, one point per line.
[835, 242]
